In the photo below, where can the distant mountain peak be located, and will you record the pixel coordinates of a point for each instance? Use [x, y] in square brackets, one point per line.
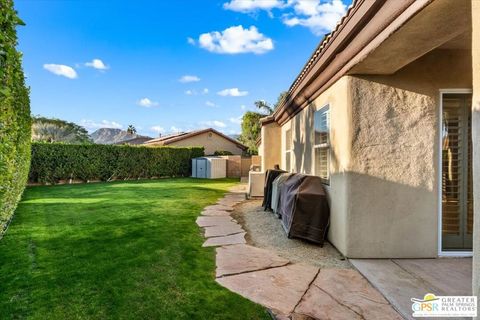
[111, 136]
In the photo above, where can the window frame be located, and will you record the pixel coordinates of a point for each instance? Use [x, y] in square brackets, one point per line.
[288, 152]
[325, 146]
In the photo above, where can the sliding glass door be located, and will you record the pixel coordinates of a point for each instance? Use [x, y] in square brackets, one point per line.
[457, 197]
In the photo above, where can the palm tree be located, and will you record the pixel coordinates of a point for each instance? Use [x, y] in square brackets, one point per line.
[264, 106]
[131, 129]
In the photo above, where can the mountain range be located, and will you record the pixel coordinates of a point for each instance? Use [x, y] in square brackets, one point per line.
[112, 136]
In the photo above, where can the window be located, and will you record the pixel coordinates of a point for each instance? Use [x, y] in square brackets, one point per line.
[288, 150]
[322, 144]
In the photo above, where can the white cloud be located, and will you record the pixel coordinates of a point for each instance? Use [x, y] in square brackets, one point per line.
[320, 17]
[243, 107]
[189, 78]
[237, 120]
[147, 103]
[157, 129]
[213, 123]
[235, 40]
[194, 92]
[232, 92]
[175, 129]
[97, 64]
[93, 125]
[61, 70]
[234, 132]
[253, 5]
[191, 41]
[210, 104]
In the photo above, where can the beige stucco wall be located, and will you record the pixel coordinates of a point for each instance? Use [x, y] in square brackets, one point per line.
[211, 143]
[395, 153]
[476, 143]
[384, 163]
[337, 97]
[270, 147]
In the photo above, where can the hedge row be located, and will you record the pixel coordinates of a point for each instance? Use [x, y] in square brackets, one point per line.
[15, 120]
[54, 162]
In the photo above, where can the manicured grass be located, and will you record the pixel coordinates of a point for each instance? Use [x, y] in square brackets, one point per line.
[126, 250]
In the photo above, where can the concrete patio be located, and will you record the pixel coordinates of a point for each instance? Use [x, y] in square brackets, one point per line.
[399, 280]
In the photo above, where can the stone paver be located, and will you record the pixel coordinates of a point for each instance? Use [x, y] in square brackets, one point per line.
[228, 202]
[215, 213]
[239, 196]
[218, 207]
[279, 289]
[344, 294]
[242, 258]
[319, 305]
[291, 291]
[223, 230]
[279, 316]
[209, 221]
[238, 238]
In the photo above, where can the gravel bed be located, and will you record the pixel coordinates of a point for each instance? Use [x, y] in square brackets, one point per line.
[264, 230]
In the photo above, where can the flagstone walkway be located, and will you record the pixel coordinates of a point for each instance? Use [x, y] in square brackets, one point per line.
[289, 290]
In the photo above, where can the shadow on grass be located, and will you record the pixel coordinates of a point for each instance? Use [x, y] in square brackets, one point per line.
[134, 254]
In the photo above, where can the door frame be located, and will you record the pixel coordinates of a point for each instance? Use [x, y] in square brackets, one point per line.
[449, 253]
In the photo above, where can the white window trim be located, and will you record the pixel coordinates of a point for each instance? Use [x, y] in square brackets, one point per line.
[288, 152]
[327, 145]
[441, 252]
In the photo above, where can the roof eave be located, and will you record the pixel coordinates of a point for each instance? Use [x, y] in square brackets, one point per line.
[341, 50]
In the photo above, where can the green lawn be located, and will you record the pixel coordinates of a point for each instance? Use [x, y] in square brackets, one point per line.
[123, 250]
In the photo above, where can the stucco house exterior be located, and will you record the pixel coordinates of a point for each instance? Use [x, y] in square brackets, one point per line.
[211, 139]
[386, 112]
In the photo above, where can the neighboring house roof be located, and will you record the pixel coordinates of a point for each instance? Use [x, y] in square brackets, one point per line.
[135, 141]
[363, 28]
[169, 139]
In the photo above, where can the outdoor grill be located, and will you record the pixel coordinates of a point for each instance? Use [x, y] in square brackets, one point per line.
[277, 187]
[304, 208]
[267, 194]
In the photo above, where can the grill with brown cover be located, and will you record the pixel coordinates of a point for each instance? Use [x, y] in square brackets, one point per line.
[277, 187]
[304, 208]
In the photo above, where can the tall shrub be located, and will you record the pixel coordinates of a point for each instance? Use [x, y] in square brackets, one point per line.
[53, 162]
[15, 120]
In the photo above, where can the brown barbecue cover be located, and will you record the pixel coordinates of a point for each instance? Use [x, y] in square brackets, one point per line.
[305, 210]
[287, 195]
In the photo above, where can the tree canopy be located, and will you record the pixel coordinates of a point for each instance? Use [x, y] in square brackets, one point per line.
[251, 128]
[56, 130]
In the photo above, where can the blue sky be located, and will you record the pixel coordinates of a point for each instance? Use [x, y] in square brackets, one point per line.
[166, 66]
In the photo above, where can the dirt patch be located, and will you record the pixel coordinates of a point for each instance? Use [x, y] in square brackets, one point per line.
[264, 230]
